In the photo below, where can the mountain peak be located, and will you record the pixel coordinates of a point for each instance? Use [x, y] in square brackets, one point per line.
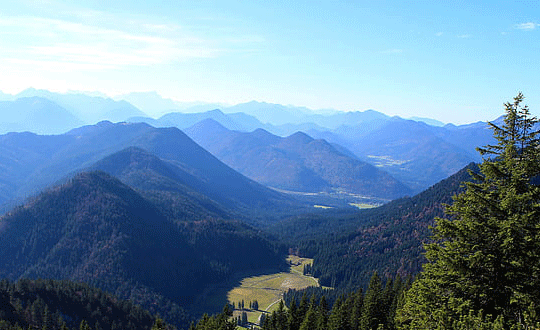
[299, 137]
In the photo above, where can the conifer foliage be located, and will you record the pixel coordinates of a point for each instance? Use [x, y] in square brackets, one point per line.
[483, 269]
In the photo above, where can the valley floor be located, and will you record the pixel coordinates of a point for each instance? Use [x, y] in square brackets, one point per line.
[267, 289]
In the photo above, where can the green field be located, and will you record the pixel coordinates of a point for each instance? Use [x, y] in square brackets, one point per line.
[363, 205]
[268, 289]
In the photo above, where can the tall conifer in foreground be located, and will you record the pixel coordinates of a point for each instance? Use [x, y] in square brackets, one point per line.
[483, 269]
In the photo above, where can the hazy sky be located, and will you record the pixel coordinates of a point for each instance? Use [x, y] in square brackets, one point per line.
[456, 61]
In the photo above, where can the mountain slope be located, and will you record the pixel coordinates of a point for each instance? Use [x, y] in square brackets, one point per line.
[297, 162]
[97, 230]
[80, 148]
[348, 247]
[162, 183]
[415, 153]
[49, 304]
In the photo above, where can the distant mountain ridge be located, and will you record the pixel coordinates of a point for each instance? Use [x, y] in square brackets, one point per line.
[415, 153]
[89, 109]
[297, 162]
[36, 114]
[33, 162]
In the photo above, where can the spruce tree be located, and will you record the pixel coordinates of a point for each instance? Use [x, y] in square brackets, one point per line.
[372, 315]
[485, 258]
[322, 314]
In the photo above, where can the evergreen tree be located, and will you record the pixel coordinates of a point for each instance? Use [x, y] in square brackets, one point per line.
[281, 317]
[310, 321]
[322, 315]
[244, 319]
[371, 308]
[294, 316]
[338, 316]
[484, 263]
[356, 310]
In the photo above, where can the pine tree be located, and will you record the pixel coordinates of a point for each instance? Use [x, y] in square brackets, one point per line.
[356, 310]
[371, 308]
[310, 320]
[294, 316]
[338, 316]
[485, 259]
[322, 314]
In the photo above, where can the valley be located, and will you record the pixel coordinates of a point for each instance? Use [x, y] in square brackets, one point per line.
[185, 223]
[269, 165]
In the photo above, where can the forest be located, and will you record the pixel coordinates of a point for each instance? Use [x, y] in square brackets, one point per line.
[464, 254]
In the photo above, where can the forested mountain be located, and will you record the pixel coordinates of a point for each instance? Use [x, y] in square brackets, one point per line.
[297, 162]
[97, 230]
[348, 247]
[34, 162]
[54, 305]
[415, 153]
[169, 187]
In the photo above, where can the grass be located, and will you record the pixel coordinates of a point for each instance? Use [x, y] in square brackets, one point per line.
[322, 207]
[268, 289]
[363, 205]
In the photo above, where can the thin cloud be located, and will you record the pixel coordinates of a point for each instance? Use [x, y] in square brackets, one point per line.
[438, 34]
[526, 26]
[464, 36]
[48, 42]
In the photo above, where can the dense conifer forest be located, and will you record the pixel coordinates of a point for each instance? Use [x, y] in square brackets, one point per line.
[49, 304]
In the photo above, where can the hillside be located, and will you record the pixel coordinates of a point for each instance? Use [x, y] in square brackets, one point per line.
[49, 304]
[297, 162]
[97, 230]
[82, 147]
[166, 185]
[348, 247]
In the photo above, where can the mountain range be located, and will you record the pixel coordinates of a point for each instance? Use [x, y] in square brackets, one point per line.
[296, 163]
[412, 151]
[156, 215]
[32, 162]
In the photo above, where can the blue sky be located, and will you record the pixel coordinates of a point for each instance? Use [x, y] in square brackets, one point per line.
[456, 61]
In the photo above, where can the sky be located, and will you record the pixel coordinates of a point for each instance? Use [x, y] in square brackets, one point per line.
[454, 61]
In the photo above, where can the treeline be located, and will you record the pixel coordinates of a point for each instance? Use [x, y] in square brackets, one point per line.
[322, 309]
[52, 305]
[388, 239]
[374, 308]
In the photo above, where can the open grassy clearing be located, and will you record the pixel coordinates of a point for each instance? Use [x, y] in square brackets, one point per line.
[268, 289]
[363, 205]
